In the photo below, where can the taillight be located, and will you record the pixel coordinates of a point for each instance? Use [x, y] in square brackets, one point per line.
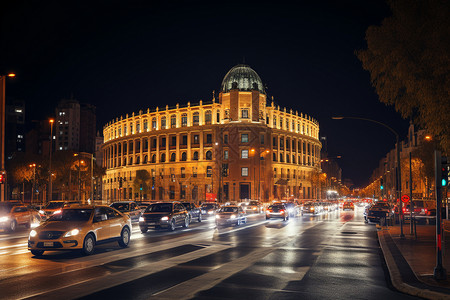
[282, 211]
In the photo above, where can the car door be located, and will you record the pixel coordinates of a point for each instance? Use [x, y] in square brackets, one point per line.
[115, 222]
[101, 223]
[20, 214]
[180, 213]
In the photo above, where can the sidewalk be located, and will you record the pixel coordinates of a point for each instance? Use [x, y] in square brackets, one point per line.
[411, 261]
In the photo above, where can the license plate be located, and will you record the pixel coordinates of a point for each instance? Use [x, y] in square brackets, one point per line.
[152, 223]
[48, 244]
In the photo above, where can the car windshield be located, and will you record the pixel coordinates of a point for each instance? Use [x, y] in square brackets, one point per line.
[5, 207]
[187, 205]
[208, 206]
[160, 207]
[54, 205]
[276, 207]
[381, 204]
[121, 206]
[71, 214]
[229, 209]
[253, 203]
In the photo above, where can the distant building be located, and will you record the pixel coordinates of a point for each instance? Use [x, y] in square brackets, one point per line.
[87, 128]
[38, 139]
[232, 148]
[15, 127]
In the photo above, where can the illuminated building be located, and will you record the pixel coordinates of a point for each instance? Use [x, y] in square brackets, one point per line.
[234, 147]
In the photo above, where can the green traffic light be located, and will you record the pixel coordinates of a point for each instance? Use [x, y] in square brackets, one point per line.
[444, 182]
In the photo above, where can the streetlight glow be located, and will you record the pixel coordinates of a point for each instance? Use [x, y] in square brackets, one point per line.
[11, 75]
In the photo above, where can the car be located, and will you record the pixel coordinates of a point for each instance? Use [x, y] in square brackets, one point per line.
[54, 207]
[194, 211]
[209, 208]
[164, 215]
[277, 210]
[128, 207]
[311, 208]
[348, 206]
[231, 214]
[13, 214]
[80, 227]
[377, 212]
[422, 208]
[291, 208]
[254, 207]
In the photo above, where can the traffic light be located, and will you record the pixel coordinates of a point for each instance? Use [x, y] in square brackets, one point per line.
[444, 171]
[381, 184]
[141, 187]
[2, 178]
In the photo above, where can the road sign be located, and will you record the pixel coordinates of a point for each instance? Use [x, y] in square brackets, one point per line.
[405, 198]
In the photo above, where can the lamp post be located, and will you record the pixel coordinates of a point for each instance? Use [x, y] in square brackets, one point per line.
[2, 129]
[91, 155]
[399, 176]
[50, 187]
[34, 181]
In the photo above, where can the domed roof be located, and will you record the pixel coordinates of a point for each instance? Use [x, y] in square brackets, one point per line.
[242, 77]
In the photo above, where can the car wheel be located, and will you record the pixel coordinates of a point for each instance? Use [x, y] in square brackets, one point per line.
[88, 245]
[267, 218]
[37, 252]
[144, 229]
[12, 226]
[199, 217]
[172, 225]
[190, 218]
[124, 237]
[187, 221]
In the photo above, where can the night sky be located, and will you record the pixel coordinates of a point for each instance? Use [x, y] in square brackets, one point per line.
[123, 57]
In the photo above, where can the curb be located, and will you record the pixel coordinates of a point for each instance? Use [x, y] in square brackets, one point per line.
[396, 277]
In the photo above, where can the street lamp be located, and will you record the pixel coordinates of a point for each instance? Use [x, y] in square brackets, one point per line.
[2, 129]
[34, 181]
[92, 172]
[399, 176]
[50, 193]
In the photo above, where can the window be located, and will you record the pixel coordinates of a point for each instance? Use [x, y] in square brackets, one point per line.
[163, 142]
[218, 117]
[274, 141]
[195, 119]
[208, 171]
[225, 139]
[281, 157]
[281, 122]
[244, 113]
[153, 158]
[209, 138]
[173, 121]
[225, 154]
[194, 172]
[173, 141]
[145, 125]
[195, 156]
[244, 153]
[208, 117]
[163, 157]
[274, 158]
[154, 123]
[184, 140]
[163, 123]
[196, 139]
[244, 171]
[172, 157]
[125, 130]
[261, 139]
[138, 127]
[183, 156]
[274, 121]
[282, 143]
[275, 173]
[208, 155]
[183, 120]
[225, 170]
[183, 172]
[244, 138]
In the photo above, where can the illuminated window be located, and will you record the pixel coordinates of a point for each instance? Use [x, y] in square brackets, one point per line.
[208, 155]
[163, 123]
[244, 171]
[225, 154]
[208, 171]
[184, 120]
[244, 138]
[208, 117]
[244, 153]
[195, 119]
[244, 113]
[173, 121]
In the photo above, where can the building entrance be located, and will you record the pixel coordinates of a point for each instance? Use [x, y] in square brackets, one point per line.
[244, 191]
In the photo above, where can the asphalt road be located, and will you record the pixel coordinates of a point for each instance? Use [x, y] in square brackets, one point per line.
[329, 256]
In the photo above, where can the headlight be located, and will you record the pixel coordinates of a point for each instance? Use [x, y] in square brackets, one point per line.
[233, 217]
[57, 211]
[217, 217]
[210, 212]
[72, 232]
[42, 212]
[254, 208]
[141, 219]
[164, 218]
[33, 233]
[4, 219]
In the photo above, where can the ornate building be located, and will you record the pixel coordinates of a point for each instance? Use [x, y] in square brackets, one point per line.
[231, 148]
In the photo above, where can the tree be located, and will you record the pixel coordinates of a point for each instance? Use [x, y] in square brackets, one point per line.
[408, 57]
[142, 179]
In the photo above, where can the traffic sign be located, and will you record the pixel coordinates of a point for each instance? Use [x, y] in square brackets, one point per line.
[405, 198]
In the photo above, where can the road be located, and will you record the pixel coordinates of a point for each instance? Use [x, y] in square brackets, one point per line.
[330, 256]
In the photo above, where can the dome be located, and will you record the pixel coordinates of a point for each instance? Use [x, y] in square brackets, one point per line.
[243, 78]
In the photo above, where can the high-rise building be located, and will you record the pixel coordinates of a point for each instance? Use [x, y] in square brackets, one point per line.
[15, 127]
[87, 128]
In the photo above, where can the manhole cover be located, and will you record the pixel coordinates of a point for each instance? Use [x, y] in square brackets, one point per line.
[348, 232]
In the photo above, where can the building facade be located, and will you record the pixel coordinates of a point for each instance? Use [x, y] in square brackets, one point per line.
[231, 148]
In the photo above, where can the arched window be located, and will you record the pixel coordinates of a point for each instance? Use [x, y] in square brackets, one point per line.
[124, 161]
[208, 155]
[163, 123]
[173, 121]
[172, 156]
[145, 159]
[184, 120]
[281, 157]
[153, 158]
[208, 171]
[145, 123]
[208, 116]
[195, 156]
[130, 161]
[183, 172]
[195, 119]
[293, 158]
[183, 156]
[153, 123]
[163, 157]
[274, 121]
[288, 160]
[138, 159]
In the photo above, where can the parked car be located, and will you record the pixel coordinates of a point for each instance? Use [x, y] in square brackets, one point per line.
[13, 214]
[277, 210]
[378, 211]
[229, 215]
[128, 207]
[194, 211]
[54, 207]
[164, 215]
[80, 227]
[422, 208]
